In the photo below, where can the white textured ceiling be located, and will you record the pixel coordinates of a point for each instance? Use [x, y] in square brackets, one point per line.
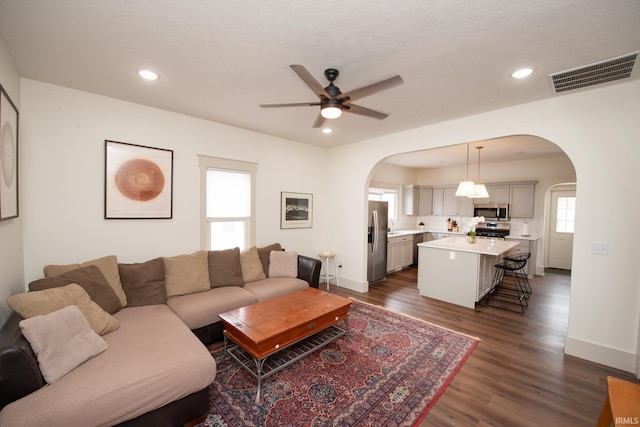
[220, 59]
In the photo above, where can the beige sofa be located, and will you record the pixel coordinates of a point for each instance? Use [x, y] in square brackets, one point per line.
[148, 320]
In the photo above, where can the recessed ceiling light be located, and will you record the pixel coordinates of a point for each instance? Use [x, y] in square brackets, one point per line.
[327, 130]
[522, 72]
[148, 74]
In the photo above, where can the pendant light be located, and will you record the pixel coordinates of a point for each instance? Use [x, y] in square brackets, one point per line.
[480, 190]
[466, 188]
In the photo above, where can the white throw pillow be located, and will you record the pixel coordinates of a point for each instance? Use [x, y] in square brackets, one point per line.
[62, 340]
[283, 264]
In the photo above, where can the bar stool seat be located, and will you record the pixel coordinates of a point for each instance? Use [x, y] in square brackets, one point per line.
[326, 258]
[510, 294]
[519, 257]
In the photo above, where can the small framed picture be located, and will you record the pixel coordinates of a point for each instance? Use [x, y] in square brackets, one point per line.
[8, 157]
[138, 182]
[296, 210]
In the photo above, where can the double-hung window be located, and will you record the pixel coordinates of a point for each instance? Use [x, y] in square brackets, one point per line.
[228, 203]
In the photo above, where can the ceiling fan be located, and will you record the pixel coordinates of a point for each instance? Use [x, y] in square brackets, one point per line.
[332, 101]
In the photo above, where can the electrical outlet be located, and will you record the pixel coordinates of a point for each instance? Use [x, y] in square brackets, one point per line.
[599, 248]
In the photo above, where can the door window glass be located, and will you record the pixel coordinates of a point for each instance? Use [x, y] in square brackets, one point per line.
[566, 214]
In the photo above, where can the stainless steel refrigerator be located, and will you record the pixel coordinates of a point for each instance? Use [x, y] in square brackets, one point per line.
[377, 241]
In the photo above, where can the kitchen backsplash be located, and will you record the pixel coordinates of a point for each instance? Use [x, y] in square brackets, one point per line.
[439, 223]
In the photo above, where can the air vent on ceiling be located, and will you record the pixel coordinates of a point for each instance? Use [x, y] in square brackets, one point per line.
[594, 74]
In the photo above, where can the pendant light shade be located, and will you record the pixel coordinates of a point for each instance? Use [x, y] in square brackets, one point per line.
[480, 191]
[466, 188]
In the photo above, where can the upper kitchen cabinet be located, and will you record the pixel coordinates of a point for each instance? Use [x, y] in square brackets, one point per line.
[425, 207]
[438, 201]
[410, 199]
[417, 200]
[521, 200]
[498, 194]
[454, 205]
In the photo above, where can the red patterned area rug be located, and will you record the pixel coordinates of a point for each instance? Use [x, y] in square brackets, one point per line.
[389, 372]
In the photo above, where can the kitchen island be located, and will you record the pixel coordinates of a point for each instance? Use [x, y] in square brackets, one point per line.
[459, 272]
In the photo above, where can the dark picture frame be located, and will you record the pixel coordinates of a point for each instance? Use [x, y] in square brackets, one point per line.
[296, 210]
[138, 181]
[9, 116]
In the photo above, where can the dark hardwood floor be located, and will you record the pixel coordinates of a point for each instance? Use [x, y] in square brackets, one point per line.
[518, 375]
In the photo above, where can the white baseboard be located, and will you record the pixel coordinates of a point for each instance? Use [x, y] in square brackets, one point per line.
[597, 353]
[352, 285]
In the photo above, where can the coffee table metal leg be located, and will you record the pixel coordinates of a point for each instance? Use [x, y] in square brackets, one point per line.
[259, 364]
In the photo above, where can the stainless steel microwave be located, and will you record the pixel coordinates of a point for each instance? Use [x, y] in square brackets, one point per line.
[492, 212]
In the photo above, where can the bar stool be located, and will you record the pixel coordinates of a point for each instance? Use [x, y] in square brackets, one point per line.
[506, 294]
[519, 257]
[326, 258]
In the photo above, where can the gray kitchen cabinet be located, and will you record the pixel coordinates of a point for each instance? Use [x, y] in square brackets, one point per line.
[410, 199]
[498, 194]
[399, 252]
[454, 205]
[425, 205]
[438, 201]
[521, 203]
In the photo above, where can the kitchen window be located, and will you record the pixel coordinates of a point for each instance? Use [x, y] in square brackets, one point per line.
[389, 195]
[228, 203]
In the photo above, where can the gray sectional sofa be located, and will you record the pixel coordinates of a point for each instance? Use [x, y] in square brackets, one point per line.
[150, 321]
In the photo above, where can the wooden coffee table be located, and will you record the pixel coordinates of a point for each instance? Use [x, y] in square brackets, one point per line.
[263, 329]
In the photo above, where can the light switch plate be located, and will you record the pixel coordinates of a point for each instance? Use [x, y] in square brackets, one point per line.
[599, 248]
[452, 255]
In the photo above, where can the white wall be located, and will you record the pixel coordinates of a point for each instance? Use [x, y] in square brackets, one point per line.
[11, 256]
[598, 129]
[63, 186]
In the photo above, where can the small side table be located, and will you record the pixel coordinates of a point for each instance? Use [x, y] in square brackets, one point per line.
[622, 405]
[326, 259]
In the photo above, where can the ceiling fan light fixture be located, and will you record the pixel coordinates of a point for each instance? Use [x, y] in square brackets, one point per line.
[331, 109]
[327, 130]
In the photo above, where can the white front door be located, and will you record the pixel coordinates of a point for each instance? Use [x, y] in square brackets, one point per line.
[563, 208]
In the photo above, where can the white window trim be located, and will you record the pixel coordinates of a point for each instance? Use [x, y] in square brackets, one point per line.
[209, 162]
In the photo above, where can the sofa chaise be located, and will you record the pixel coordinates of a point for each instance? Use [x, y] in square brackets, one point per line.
[149, 322]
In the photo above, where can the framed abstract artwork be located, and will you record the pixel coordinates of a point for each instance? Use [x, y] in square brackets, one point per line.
[8, 157]
[296, 210]
[138, 182]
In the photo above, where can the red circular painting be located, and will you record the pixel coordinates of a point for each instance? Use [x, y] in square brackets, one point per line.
[140, 180]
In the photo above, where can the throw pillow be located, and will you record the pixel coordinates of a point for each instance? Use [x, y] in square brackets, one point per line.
[143, 283]
[251, 265]
[62, 340]
[225, 268]
[108, 265]
[186, 274]
[43, 302]
[90, 279]
[283, 264]
[264, 254]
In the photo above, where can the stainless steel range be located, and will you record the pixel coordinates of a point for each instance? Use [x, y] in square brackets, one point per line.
[493, 230]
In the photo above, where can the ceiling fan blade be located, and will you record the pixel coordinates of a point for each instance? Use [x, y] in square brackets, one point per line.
[319, 121]
[372, 88]
[356, 109]
[295, 104]
[306, 77]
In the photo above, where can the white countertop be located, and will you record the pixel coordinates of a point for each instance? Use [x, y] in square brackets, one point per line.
[396, 233]
[482, 246]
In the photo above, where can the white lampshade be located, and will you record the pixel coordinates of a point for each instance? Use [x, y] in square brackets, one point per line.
[466, 188]
[331, 112]
[481, 192]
